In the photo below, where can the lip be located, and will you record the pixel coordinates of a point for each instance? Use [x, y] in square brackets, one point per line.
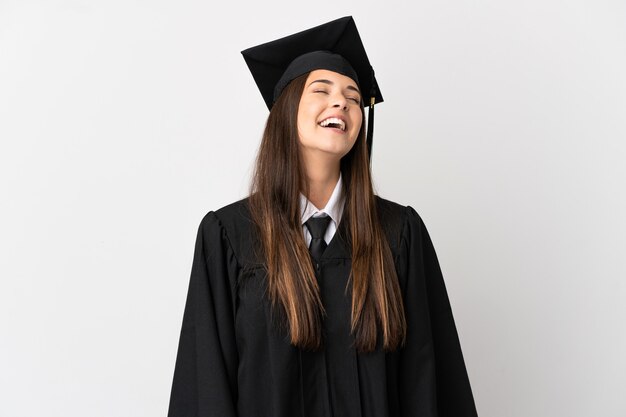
[336, 116]
[335, 130]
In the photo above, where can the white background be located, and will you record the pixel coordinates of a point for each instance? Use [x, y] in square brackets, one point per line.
[123, 122]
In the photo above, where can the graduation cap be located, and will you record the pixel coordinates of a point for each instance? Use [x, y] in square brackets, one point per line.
[334, 46]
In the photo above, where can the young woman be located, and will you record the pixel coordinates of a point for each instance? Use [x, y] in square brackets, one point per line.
[314, 296]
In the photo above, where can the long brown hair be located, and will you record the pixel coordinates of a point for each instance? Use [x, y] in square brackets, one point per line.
[278, 179]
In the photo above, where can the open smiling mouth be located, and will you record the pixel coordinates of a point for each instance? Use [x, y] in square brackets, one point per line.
[334, 122]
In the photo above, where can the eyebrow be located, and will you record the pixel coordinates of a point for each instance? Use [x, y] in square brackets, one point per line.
[350, 87]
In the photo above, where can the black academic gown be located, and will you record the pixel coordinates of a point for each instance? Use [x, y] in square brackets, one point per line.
[233, 360]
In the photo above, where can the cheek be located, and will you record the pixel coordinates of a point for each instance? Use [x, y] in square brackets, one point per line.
[304, 127]
[303, 113]
[358, 120]
[301, 118]
[302, 123]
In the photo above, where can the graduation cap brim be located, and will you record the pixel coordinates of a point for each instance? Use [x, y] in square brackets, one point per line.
[271, 63]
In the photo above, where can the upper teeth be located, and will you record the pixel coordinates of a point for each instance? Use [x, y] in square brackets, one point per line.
[333, 120]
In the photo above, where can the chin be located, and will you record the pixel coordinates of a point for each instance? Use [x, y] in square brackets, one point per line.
[335, 148]
[338, 146]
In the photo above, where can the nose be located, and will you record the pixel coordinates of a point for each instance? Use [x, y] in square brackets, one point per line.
[339, 101]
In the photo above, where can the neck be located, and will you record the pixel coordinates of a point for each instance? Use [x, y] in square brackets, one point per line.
[322, 176]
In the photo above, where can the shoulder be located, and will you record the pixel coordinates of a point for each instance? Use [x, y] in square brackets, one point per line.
[397, 220]
[234, 223]
[235, 214]
[231, 216]
[395, 214]
[389, 209]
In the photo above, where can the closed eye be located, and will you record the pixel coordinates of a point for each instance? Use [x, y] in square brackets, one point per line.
[357, 100]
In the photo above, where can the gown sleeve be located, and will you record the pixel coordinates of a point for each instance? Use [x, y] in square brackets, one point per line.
[205, 375]
[433, 376]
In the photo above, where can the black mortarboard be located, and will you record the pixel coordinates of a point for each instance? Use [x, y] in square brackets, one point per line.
[335, 46]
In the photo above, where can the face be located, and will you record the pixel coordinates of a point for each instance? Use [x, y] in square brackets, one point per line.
[329, 114]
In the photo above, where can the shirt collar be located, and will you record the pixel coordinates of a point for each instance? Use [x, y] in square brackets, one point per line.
[334, 207]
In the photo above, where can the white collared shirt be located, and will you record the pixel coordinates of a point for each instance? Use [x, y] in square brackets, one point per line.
[334, 209]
